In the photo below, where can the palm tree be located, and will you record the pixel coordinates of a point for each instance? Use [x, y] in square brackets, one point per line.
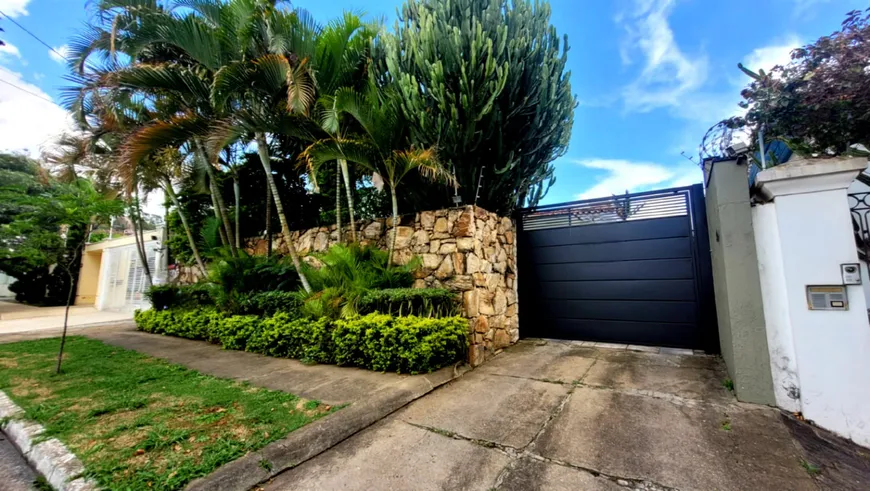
[382, 147]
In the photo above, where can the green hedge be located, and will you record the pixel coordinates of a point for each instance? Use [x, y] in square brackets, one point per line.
[269, 303]
[409, 344]
[193, 296]
[425, 302]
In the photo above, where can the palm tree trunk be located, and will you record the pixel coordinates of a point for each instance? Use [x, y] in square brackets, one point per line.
[344, 172]
[237, 192]
[219, 199]
[263, 151]
[217, 215]
[268, 220]
[395, 225]
[338, 201]
[140, 238]
[193, 247]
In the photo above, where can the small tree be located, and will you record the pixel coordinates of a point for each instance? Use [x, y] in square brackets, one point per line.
[819, 103]
[77, 204]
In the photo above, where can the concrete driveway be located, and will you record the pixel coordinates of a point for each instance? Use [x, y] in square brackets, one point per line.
[564, 416]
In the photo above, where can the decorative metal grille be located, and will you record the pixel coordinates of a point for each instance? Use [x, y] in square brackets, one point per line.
[859, 205]
[629, 207]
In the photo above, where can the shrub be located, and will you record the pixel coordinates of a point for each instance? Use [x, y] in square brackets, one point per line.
[424, 302]
[404, 344]
[348, 272]
[376, 341]
[269, 303]
[180, 296]
[239, 277]
[192, 324]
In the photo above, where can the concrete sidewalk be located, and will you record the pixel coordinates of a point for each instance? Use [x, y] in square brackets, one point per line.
[562, 416]
[21, 318]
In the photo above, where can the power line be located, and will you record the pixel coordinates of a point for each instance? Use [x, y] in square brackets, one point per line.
[34, 36]
[34, 94]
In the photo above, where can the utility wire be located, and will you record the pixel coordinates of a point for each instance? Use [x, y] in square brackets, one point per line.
[34, 36]
[34, 94]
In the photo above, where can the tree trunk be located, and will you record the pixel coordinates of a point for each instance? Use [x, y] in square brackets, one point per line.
[219, 199]
[237, 192]
[268, 220]
[395, 225]
[344, 172]
[140, 238]
[217, 215]
[338, 201]
[69, 297]
[193, 247]
[263, 151]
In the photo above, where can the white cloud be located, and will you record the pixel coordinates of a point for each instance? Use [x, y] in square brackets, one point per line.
[27, 122]
[9, 51]
[768, 57]
[633, 176]
[14, 8]
[59, 53]
[668, 73]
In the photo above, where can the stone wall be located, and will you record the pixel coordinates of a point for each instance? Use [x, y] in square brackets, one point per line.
[468, 250]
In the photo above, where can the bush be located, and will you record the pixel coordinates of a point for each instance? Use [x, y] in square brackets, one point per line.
[180, 296]
[424, 302]
[269, 303]
[376, 341]
[348, 272]
[236, 278]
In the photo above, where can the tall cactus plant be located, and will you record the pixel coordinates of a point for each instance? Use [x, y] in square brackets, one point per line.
[484, 81]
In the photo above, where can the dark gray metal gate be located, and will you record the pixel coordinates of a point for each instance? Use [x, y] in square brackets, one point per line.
[629, 269]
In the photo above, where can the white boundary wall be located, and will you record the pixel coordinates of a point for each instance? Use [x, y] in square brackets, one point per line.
[820, 360]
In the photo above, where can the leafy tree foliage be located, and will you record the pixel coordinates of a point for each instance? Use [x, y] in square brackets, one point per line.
[484, 82]
[820, 102]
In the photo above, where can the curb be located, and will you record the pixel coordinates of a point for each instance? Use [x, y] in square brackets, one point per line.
[311, 440]
[49, 457]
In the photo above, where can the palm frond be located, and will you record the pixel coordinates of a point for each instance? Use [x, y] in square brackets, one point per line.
[300, 88]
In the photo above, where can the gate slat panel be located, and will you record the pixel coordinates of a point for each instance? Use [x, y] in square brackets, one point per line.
[618, 310]
[656, 269]
[673, 248]
[659, 228]
[617, 290]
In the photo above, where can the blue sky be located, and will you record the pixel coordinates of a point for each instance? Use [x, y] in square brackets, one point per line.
[650, 76]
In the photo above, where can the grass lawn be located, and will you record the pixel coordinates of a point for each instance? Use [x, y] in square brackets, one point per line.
[138, 422]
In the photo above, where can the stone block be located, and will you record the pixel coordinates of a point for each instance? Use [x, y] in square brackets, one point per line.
[421, 237]
[465, 244]
[434, 246]
[460, 283]
[475, 355]
[459, 263]
[441, 225]
[481, 324]
[427, 220]
[419, 283]
[494, 281]
[479, 279]
[373, 231]
[402, 256]
[497, 322]
[470, 300]
[499, 302]
[403, 237]
[464, 226]
[501, 339]
[447, 248]
[321, 241]
[472, 263]
[431, 261]
[445, 270]
[485, 305]
[511, 310]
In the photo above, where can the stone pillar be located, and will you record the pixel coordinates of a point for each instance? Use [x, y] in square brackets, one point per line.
[809, 235]
[742, 336]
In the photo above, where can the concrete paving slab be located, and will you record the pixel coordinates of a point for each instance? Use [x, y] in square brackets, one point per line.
[557, 362]
[397, 456]
[682, 382]
[616, 346]
[673, 445]
[529, 475]
[505, 410]
[663, 360]
[647, 349]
